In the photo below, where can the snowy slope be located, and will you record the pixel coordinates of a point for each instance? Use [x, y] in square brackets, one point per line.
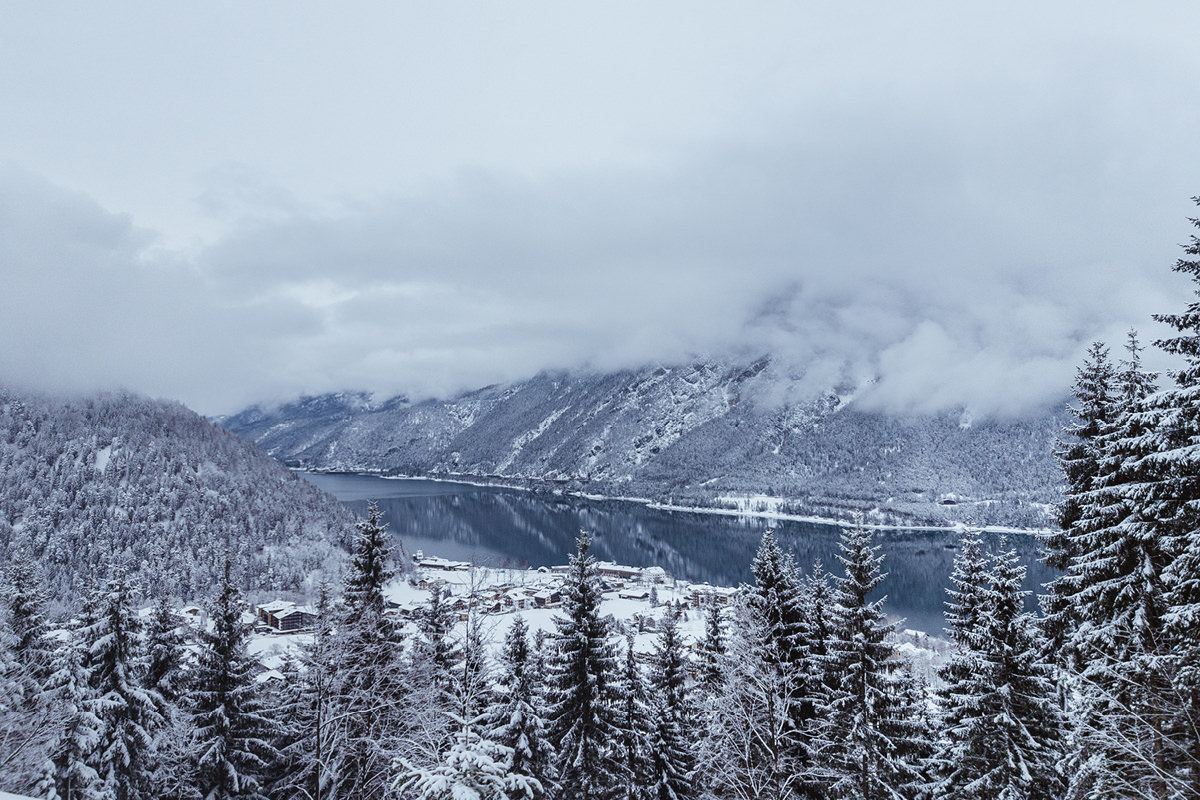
[158, 487]
[686, 435]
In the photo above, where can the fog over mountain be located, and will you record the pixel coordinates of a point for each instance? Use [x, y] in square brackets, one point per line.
[941, 206]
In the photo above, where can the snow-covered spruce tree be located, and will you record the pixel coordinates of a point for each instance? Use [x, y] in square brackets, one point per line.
[1078, 452]
[472, 674]
[1114, 590]
[749, 745]
[28, 716]
[472, 769]
[962, 674]
[1001, 726]
[165, 652]
[233, 730]
[24, 601]
[670, 668]
[670, 761]
[311, 716]
[671, 757]
[173, 776]
[1025, 717]
[818, 605]
[868, 730]
[371, 691]
[634, 714]
[964, 615]
[777, 599]
[711, 651]
[1174, 503]
[127, 711]
[369, 569]
[918, 748]
[435, 639]
[514, 718]
[67, 773]
[582, 690]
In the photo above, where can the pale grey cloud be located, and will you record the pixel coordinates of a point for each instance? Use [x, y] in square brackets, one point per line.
[939, 204]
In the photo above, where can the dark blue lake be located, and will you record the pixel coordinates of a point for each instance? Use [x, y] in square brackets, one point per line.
[507, 527]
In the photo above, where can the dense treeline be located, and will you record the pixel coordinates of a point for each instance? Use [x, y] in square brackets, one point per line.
[1125, 616]
[159, 487]
[794, 691]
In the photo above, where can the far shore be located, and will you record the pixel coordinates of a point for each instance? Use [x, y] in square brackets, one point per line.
[651, 503]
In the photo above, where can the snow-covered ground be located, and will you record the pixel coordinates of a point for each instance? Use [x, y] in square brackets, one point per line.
[636, 599]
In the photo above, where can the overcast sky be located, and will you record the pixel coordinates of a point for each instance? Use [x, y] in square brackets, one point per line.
[232, 202]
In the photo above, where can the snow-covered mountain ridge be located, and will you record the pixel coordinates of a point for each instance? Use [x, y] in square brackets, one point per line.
[696, 435]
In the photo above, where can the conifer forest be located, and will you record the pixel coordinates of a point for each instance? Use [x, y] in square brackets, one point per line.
[795, 690]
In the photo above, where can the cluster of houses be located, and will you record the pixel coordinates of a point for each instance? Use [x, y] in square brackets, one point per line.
[543, 588]
[538, 589]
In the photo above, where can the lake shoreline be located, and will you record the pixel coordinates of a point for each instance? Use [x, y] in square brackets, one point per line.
[546, 487]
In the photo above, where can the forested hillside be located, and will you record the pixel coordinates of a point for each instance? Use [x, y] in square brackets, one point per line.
[699, 434]
[157, 486]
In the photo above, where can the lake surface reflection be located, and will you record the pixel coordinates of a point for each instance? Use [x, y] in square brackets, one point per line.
[506, 527]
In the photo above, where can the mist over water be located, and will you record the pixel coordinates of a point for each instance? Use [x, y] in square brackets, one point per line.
[505, 527]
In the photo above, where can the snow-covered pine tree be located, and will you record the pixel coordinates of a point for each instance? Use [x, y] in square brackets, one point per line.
[581, 688]
[165, 651]
[777, 599]
[514, 718]
[369, 569]
[671, 757]
[435, 639]
[127, 711]
[634, 734]
[964, 614]
[711, 651]
[819, 604]
[68, 775]
[234, 731]
[472, 674]
[749, 743]
[867, 731]
[1078, 452]
[311, 716]
[1114, 590]
[1174, 502]
[25, 600]
[371, 678]
[472, 769]
[1002, 731]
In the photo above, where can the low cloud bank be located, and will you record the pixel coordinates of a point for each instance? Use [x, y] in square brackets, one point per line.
[966, 258]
